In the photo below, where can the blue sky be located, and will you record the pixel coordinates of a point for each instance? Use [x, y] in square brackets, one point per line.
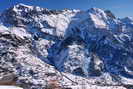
[121, 8]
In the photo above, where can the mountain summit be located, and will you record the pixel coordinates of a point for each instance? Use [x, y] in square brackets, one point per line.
[69, 47]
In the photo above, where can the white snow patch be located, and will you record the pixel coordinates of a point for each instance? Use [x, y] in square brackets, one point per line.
[21, 32]
[4, 30]
[10, 87]
[98, 21]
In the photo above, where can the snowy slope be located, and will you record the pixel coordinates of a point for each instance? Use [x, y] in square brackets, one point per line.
[91, 44]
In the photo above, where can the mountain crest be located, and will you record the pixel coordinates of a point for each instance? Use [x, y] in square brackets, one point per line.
[89, 46]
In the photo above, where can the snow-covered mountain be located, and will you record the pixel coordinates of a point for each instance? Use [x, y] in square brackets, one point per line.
[91, 45]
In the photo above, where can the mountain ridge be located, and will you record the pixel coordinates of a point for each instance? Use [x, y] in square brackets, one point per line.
[91, 44]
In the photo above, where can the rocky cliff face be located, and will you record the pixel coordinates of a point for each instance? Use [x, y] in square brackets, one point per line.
[67, 48]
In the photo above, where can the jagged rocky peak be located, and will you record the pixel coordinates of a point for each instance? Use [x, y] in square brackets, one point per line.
[96, 10]
[21, 5]
[92, 44]
[105, 13]
[110, 14]
[38, 18]
[25, 14]
[60, 23]
[22, 9]
[26, 8]
[58, 20]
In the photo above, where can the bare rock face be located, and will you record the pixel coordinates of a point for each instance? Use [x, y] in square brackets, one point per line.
[110, 14]
[65, 49]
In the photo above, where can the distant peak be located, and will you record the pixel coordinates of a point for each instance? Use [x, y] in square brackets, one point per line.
[127, 20]
[23, 5]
